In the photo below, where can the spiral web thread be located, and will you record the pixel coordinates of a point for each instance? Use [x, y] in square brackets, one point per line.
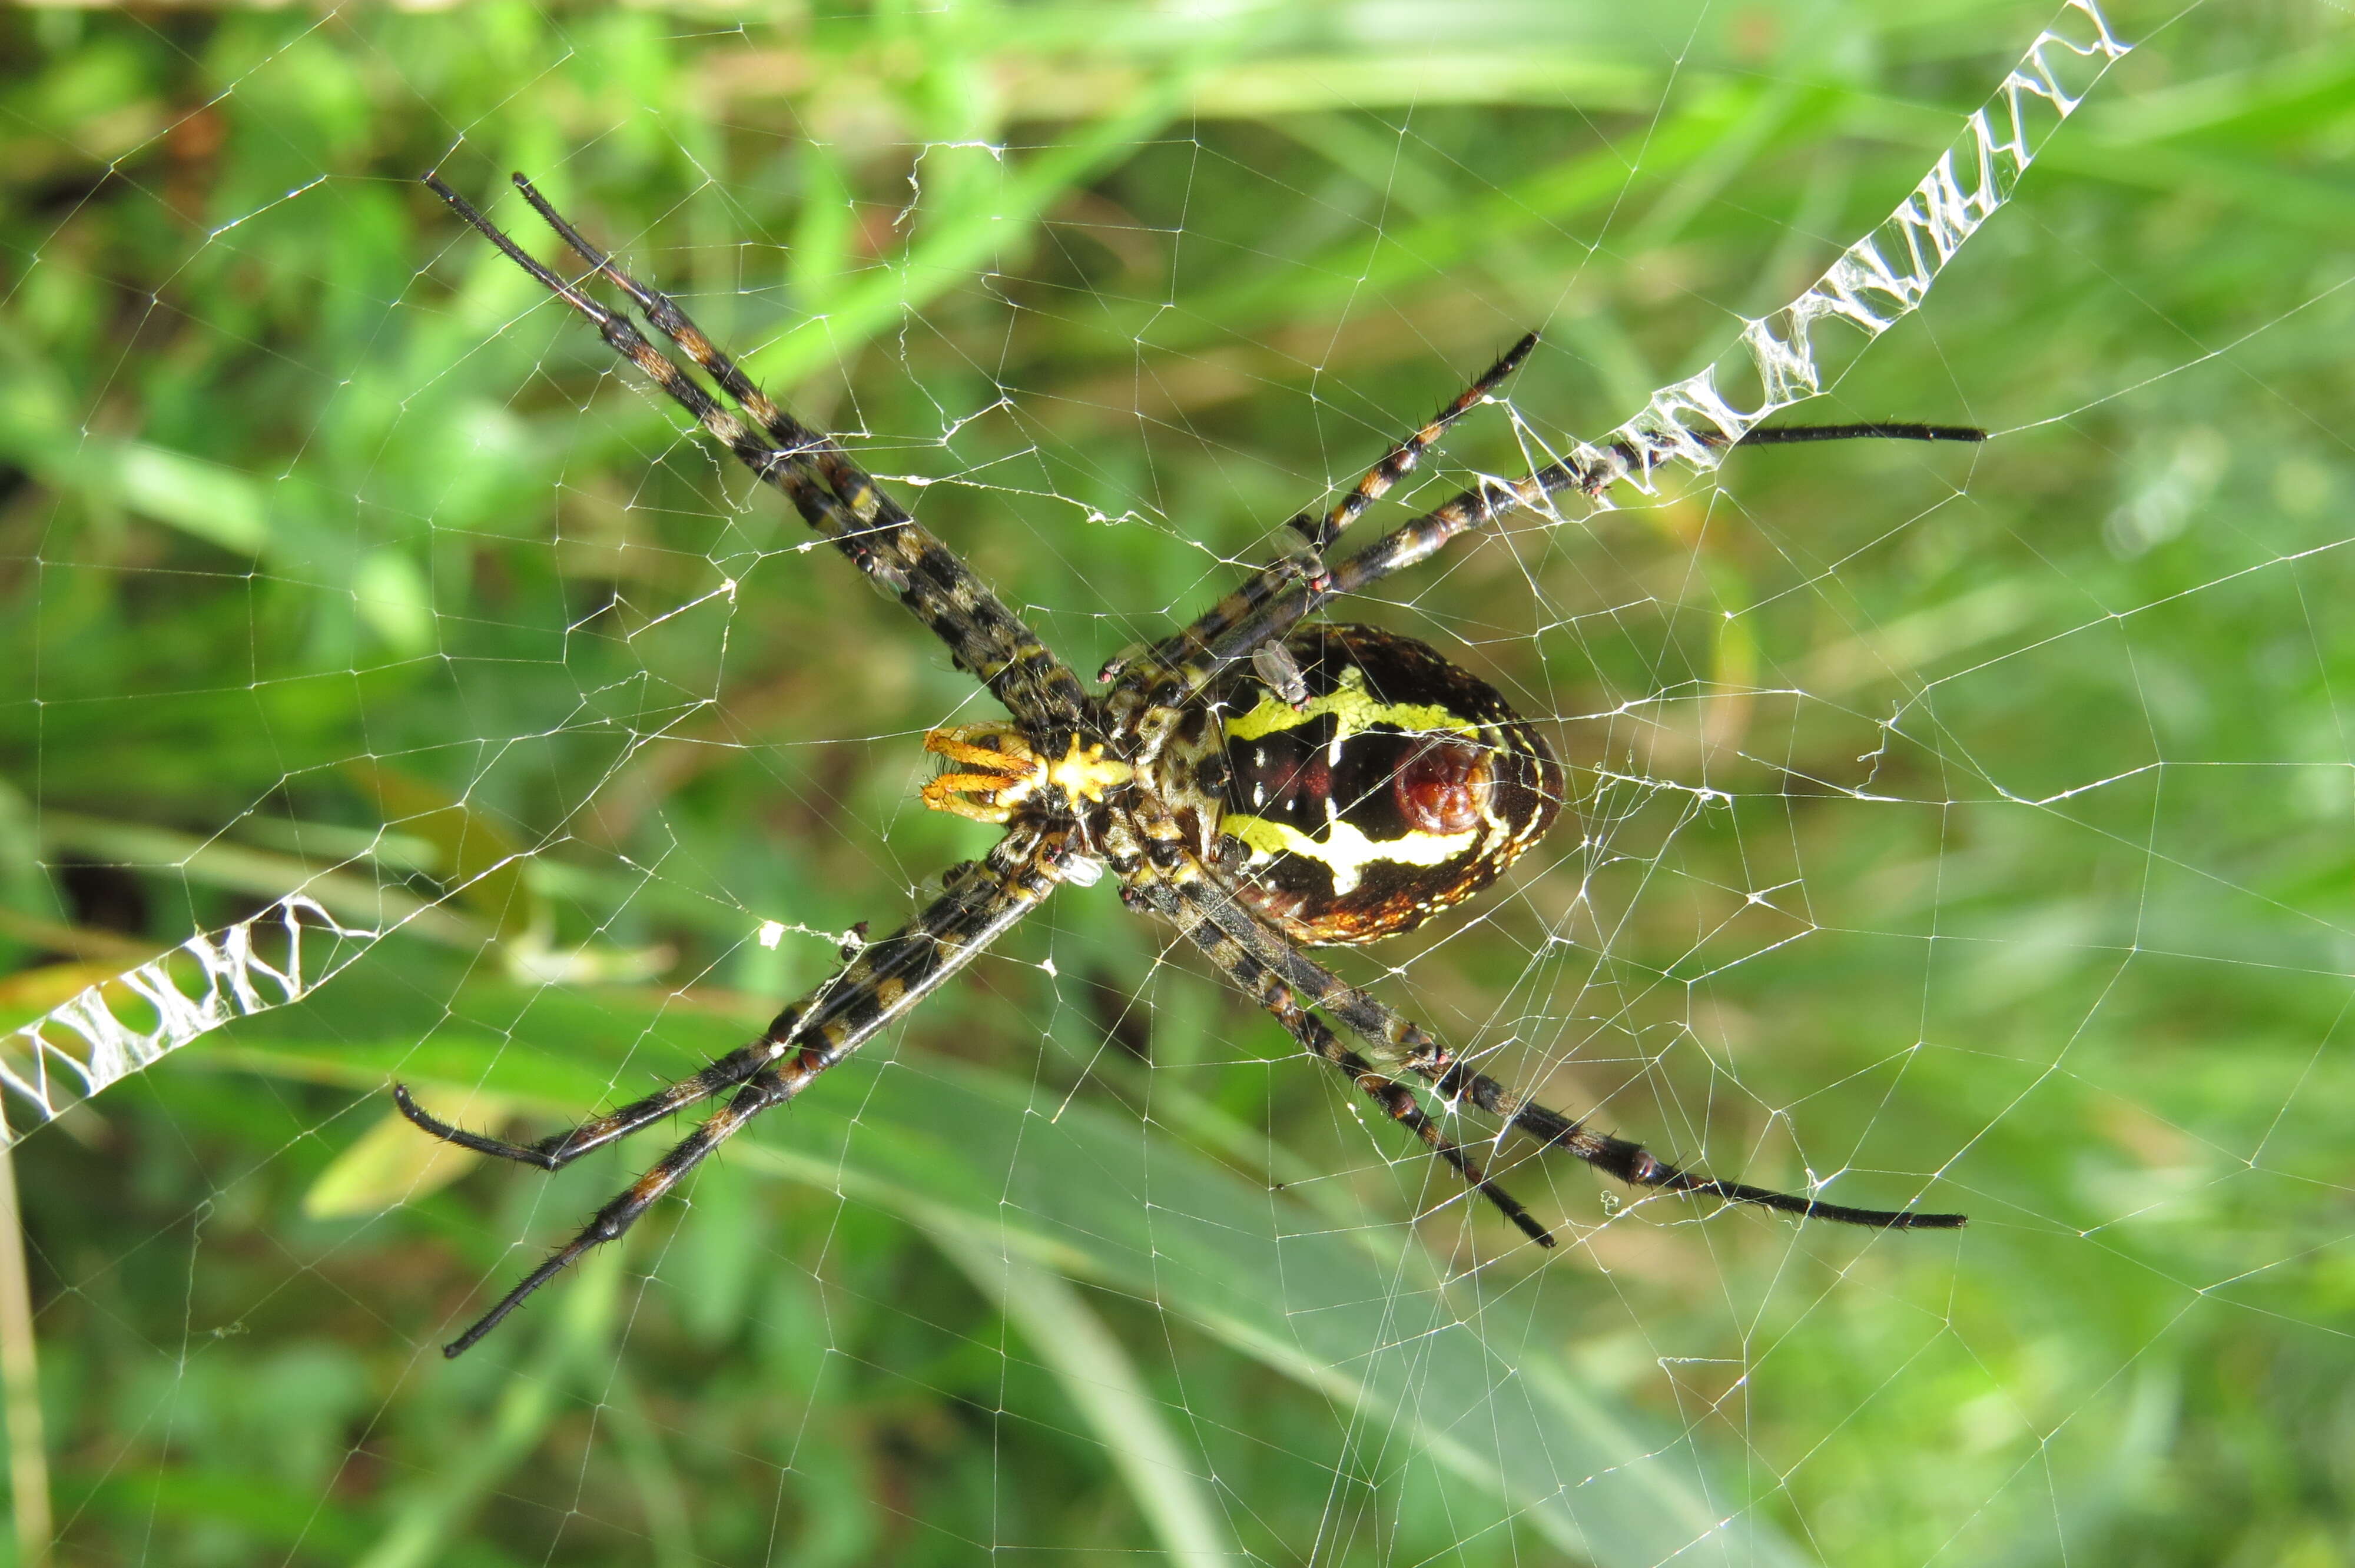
[276, 957]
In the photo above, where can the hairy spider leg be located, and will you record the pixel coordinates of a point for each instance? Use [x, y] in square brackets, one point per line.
[1275, 600]
[1256, 979]
[1792, 435]
[899, 555]
[1147, 855]
[873, 507]
[1400, 460]
[765, 1089]
[663, 315]
[560, 1150]
[877, 966]
[886, 978]
[1418, 538]
[1394, 1035]
[1171, 653]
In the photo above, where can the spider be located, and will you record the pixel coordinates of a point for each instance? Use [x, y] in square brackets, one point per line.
[1261, 781]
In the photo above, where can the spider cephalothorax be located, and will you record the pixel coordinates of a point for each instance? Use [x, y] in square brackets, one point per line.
[1257, 781]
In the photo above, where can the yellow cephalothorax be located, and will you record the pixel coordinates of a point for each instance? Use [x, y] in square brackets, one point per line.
[996, 771]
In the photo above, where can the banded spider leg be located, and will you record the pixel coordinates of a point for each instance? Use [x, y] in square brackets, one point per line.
[836, 498]
[881, 981]
[1250, 954]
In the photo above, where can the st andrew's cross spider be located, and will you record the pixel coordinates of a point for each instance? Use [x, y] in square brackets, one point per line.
[1262, 781]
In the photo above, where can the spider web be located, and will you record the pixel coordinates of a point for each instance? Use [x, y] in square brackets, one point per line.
[1955, 826]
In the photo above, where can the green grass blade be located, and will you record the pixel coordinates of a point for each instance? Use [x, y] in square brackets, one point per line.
[1061, 1328]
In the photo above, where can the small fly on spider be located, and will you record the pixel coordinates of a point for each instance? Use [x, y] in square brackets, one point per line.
[1262, 781]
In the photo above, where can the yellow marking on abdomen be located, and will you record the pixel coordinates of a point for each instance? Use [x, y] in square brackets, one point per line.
[1346, 852]
[1354, 709]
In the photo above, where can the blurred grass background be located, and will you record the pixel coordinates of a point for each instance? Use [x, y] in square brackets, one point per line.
[2024, 884]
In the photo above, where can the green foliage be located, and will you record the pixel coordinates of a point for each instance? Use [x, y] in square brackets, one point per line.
[1967, 823]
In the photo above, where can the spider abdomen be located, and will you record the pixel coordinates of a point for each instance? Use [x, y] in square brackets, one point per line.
[1401, 786]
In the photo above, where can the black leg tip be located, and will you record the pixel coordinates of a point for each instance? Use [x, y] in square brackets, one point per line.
[1510, 360]
[420, 1117]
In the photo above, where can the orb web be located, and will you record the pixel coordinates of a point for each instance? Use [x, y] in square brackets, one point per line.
[407, 692]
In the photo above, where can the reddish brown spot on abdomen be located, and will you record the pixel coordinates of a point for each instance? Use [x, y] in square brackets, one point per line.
[1442, 785]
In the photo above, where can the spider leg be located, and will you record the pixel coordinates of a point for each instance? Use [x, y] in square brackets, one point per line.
[885, 979]
[1396, 1099]
[1400, 460]
[1418, 538]
[556, 1153]
[1397, 1035]
[617, 1216]
[833, 494]
[1318, 536]
[662, 313]
[1251, 975]
[1792, 435]
[1275, 615]
[1272, 616]
[870, 504]
[1265, 609]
